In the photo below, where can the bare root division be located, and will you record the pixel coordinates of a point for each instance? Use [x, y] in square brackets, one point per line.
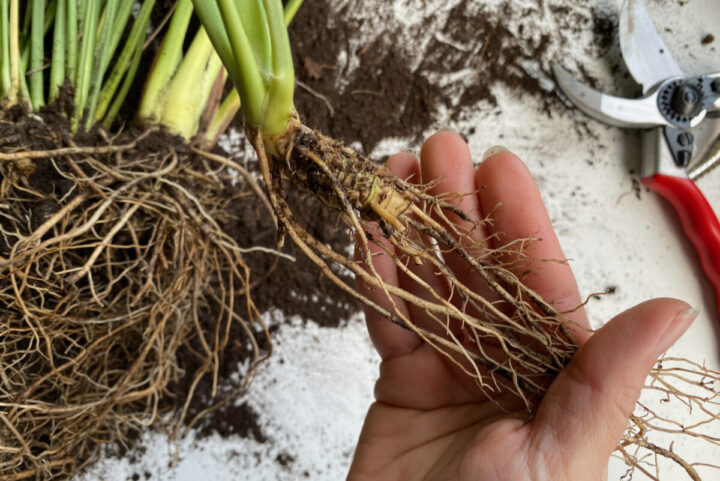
[507, 337]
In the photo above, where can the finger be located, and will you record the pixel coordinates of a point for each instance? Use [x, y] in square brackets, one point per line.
[508, 194]
[422, 379]
[586, 409]
[389, 339]
[419, 278]
[446, 159]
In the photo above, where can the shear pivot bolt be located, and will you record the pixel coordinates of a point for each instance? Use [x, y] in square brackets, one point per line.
[685, 99]
[715, 86]
[685, 139]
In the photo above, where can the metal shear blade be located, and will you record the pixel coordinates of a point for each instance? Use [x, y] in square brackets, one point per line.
[645, 54]
[639, 113]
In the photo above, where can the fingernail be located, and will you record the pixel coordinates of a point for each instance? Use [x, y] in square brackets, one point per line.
[493, 150]
[677, 327]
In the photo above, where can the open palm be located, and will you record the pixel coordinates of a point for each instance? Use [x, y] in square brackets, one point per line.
[430, 422]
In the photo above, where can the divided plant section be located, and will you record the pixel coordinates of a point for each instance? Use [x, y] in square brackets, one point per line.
[409, 224]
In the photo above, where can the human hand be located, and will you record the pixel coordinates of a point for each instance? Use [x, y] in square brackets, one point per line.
[430, 422]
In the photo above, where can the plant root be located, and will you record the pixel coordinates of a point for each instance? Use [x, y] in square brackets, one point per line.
[112, 259]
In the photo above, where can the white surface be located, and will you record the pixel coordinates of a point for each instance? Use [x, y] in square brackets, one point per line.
[313, 394]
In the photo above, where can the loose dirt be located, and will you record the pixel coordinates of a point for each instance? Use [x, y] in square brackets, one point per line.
[366, 75]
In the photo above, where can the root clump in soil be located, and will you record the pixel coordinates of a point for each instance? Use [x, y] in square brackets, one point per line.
[112, 259]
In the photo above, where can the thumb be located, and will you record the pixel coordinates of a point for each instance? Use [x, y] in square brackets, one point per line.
[586, 409]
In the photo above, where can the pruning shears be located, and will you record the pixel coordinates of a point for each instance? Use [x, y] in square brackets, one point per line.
[671, 112]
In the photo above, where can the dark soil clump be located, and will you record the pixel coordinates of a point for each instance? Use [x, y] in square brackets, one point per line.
[241, 421]
[382, 97]
[500, 58]
[295, 288]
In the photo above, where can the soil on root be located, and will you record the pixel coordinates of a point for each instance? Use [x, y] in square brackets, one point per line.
[192, 388]
[103, 243]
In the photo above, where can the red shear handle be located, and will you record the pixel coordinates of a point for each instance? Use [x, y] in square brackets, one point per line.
[698, 220]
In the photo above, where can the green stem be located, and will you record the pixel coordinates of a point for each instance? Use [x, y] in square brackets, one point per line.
[85, 63]
[71, 38]
[121, 19]
[4, 48]
[231, 104]
[255, 25]
[14, 55]
[244, 71]
[278, 106]
[24, 62]
[291, 9]
[265, 89]
[135, 37]
[127, 82]
[211, 20]
[189, 90]
[57, 67]
[102, 58]
[166, 62]
[37, 54]
[82, 5]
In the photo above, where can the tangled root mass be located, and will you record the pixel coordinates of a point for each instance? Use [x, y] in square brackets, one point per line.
[112, 258]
